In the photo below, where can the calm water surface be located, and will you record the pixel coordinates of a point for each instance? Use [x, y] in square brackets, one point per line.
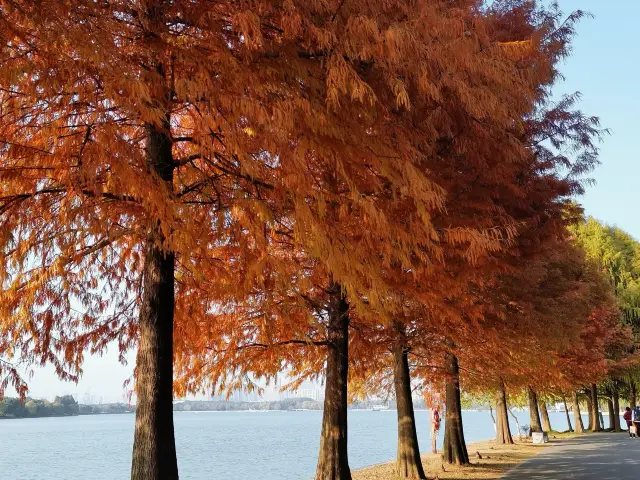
[265, 445]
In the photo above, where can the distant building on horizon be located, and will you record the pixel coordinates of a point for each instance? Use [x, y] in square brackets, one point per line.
[316, 393]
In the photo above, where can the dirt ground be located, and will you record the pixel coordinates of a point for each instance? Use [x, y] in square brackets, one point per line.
[488, 461]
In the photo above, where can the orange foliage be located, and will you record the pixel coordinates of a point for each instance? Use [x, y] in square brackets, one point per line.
[276, 159]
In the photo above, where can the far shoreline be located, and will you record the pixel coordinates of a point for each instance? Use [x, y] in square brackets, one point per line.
[214, 410]
[39, 417]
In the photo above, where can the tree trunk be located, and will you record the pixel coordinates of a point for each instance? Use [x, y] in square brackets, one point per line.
[493, 419]
[632, 392]
[517, 423]
[454, 448]
[333, 463]
[154, 449]
[611, 414]
[534, 415]
[577, 417]
[503, 433]
[566, 411]
[587, 393]
[595, 426]
[546, 423]
[408, 464]
[616, 409]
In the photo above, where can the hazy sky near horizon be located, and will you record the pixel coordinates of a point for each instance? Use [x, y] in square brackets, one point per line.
[604, 67]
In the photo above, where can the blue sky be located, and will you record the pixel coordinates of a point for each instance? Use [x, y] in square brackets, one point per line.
[605, 68]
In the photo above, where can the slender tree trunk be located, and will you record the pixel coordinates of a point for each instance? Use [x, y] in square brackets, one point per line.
[534, 415]
[577, 417]
[503, 433]
[632, 392]
[517, 423]
[454, 448]
[616, 409]
[611, 414]
[587, 393]
[333, 463]
[566, 411]
[154, 450]
[596, 427]
[546, 423]
[408, 464]
[493, 419]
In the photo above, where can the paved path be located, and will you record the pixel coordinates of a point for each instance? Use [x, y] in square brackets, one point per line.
[606, 456]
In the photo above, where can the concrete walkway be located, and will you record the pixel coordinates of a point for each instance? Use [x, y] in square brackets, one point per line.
[605, 456]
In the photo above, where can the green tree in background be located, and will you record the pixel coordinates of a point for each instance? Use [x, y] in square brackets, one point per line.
[61, 406]
[618, 255]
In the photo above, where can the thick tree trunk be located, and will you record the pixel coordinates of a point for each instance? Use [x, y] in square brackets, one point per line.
[534, 415]
[595, 426]
[544, 413]
[632, 392]
[616, 409]
[154, 450]
[333, 463]
[587, 393]
[503, 433]
[566, 411]
[577, 417]
[454, 448]
[408, 464]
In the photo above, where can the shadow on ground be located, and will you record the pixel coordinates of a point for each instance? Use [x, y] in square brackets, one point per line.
[609, 456]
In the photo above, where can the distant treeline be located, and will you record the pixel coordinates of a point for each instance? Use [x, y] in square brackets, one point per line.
[67, 406]
[60, 407]
[64, 406]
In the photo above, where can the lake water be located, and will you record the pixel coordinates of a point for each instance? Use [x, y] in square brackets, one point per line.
[265, 445]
